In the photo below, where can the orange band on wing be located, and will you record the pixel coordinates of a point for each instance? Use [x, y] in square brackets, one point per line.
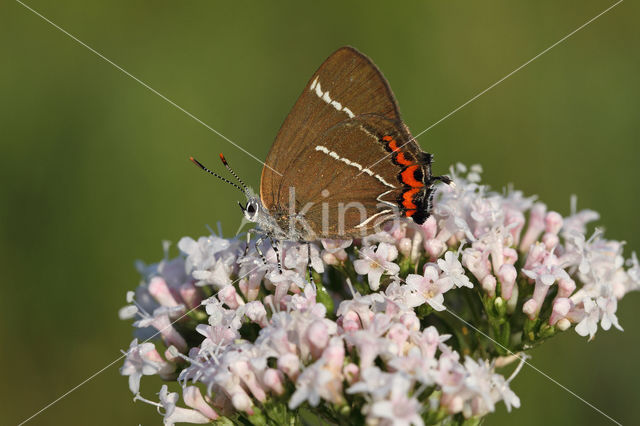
[408, 177]
[407, 199]
[402, 160]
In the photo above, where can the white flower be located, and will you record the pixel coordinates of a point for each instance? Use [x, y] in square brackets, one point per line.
[194, 399]
[453, 271]
[376, 263]
[216, 336]
[173, 414]
[608, 307]
[430, 287]
[316, 382]
[143, 360]
[296, 256]
[398, 409]
[589, 324]
[578, 220]
[633, 282]
[210, 260]
[374, 382]
[479, 383]
[429, 340]
[334, 246]
[416, 365]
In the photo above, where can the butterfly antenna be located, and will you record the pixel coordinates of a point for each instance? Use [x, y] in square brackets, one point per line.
[197, 163]
[224, 161]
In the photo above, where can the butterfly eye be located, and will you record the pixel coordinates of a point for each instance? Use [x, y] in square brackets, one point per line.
[251, 210]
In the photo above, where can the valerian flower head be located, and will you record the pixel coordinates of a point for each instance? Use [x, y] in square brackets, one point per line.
[383, 329]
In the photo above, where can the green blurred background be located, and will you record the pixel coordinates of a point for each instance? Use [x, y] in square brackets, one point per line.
[95, 171]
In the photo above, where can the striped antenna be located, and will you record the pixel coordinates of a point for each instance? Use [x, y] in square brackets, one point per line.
[197, 163]
[224, 161]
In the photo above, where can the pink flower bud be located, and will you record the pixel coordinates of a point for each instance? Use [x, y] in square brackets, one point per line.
[193, 398]
[553, 222]
[160, 291]
[510, 255]
[184, 415]
[334, 246]
[512, 303]
[561, 307]
[530, 308]
[350, 321]
[536, 255]
[540, 292]
[169, 334]
[392, 252]
[242, 370]
[243, 285]
[536, 226]
[507, 276]
[434, 248]
[330, 258]
[273, 379]
[566, 286]
[489, 285]
[241, 402]
[452, 403]
[351, 373]
[289, 364]
[334, 354]
[190, 294]
[341, 255]
[404, 246]
[398, 232]
[399, 334]
[429, 228]
[563, 324]
[476, 262]
[230, 297]
[511, 217]
[550, 240]
[410, 321]
[250, 286]
[318, 337]
[257, 313]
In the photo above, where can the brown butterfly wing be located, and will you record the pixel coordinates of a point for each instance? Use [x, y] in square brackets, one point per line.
[346, 84]
[348, 192]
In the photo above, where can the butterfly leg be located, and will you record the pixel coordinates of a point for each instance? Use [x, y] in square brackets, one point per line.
[258, 244]
[246, 248]
[443, 179]
[274, 245]
[309, 265]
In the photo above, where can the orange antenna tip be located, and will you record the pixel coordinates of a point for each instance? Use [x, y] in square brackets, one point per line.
[224, 161]
[197, 163]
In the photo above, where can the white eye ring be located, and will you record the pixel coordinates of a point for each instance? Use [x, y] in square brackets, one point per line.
[252, 210]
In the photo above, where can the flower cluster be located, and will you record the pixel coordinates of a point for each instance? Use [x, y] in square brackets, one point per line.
[380, 331]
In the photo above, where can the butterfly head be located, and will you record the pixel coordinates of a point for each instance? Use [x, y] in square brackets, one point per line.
[253, 210]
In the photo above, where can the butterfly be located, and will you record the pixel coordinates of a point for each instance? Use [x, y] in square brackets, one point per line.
[343, 162]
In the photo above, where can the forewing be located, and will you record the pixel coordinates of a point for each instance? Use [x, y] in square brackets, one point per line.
[346, 84]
